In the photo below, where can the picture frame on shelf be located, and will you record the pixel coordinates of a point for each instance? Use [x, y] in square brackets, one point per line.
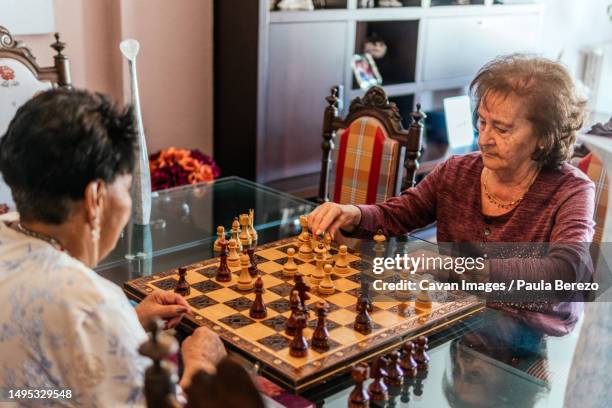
[365, 71]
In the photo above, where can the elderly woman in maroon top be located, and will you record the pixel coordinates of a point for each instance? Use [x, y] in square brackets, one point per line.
[518, 188]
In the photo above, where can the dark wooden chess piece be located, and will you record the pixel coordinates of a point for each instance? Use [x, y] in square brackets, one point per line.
[378, 390]
[160, 377]
[299, 346]
[395, 374]
[420, 356]
[303, 289]
[320, 336]
[363, 321]
[182, 286]
[223, 271]
[407, 360]
[405, 398]
[419, 382]
[296, 310]
[359, 398]
[258, 307]
[252, 264]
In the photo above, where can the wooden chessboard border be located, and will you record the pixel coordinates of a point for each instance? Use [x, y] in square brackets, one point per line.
[336, 362]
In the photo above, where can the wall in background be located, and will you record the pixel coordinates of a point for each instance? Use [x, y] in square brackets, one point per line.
[175, 63]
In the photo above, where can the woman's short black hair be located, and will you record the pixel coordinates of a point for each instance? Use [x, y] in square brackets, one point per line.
[59, 142]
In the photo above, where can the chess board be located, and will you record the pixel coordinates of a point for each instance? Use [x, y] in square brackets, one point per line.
[225, 310]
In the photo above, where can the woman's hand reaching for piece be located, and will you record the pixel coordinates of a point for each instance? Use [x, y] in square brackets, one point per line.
[168, 306]
[331, 217]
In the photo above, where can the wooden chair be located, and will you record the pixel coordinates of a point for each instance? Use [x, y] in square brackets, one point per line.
[374, 152]
[21, 78]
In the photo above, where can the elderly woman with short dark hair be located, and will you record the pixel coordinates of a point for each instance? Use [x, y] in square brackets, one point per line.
[518, 188]
[68, 157]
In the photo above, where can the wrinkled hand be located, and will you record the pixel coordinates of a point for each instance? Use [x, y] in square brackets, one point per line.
[331, 217]
[201, 351]
[168, 306]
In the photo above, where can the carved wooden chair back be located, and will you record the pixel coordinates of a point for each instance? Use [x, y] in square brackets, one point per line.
[21, 78]
[368, 156]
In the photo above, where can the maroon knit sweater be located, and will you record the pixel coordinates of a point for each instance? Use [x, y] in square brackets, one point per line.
[557, 209]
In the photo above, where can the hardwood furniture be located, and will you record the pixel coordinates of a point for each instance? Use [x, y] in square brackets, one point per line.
[368, 150]
[274, 68]
[21, 77]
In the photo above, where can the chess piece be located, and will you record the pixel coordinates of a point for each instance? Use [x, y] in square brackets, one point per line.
[341, 265]
[304, 235]
[290, 267]
[379, 240]
[327, 240]
[245, 281]
[251, 226]
[419, 381]
[378, 390]
[223, 272]
[220, 238]
[359, 398]
[258, 307]
[302, 288]
[420, 355]
[233, 257]
[252, 265]
[182, 286]
[244, 236]
[305, 250]
[403, 309]
[422, 304]
[405, 396]
[407, 360]
[326, 286]
[320, 335]
[296, 309]
[236, 232]
[363, 321]
[299, 346]
[317, 276]
[395, 374]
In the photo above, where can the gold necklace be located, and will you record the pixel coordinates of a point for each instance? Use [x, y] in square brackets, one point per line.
[50, 240]
[499, 203]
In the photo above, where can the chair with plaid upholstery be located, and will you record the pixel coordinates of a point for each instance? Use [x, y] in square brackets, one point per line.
[21, 78]
[367, 154]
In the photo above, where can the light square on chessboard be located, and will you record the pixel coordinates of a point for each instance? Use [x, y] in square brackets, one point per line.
[346, 336]
[386, 318]
[344, 285]
[255, 331]
[217, 312]
[307, 269]
[385, 304]
[269, 267]
[270, 313]
[297, 362]
[349, 257]
[271, 254]
[269, 281]
[341, 299]
[342, 316]
[223, 295]
[267, 296]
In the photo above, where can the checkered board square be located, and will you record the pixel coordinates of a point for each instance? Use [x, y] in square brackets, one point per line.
[225, 309]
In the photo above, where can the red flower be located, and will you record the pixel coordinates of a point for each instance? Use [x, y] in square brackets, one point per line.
[174, 167]
[7, 73]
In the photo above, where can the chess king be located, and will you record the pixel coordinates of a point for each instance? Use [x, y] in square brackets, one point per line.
[68, 157]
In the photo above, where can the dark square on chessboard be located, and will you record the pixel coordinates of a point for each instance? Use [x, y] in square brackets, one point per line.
[240, 303]
[284, 289]
[209, 272]
[237, 321]
[331, 325]
[276, 323]
[166, 284]
[202, 301]
[275, 342]
[283, 261]
[332, 345]
[279, 305]
[206, 286]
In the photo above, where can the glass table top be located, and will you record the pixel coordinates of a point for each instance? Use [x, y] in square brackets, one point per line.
[489, 358]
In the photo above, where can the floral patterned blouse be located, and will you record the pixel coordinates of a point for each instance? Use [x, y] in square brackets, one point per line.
[63, 327]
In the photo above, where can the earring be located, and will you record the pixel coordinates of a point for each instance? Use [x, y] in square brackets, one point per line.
[95, 231]
[541, 147]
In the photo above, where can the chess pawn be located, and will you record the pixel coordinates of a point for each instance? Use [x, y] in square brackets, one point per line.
[220, 238]
[420, 356]
[305, 250]
[326, 286]
[252, 230]
[359, 398]
[363, 321]
[258, 307]
[290, 267]
[304, 235]
[341, 264]
[245, 281]
[233, 257]
[244, 236]
[317, 276]
[395, 374]
[378, 390]
[299, 346]
[407, 360]
[252, 264]
[182, 286]
[223, 272]
[236, 232]
[320, 335]
[296, 309]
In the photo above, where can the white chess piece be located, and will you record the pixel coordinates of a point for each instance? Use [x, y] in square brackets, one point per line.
[245, 281]
[326, 287]
[233, 257]
[290, 267]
